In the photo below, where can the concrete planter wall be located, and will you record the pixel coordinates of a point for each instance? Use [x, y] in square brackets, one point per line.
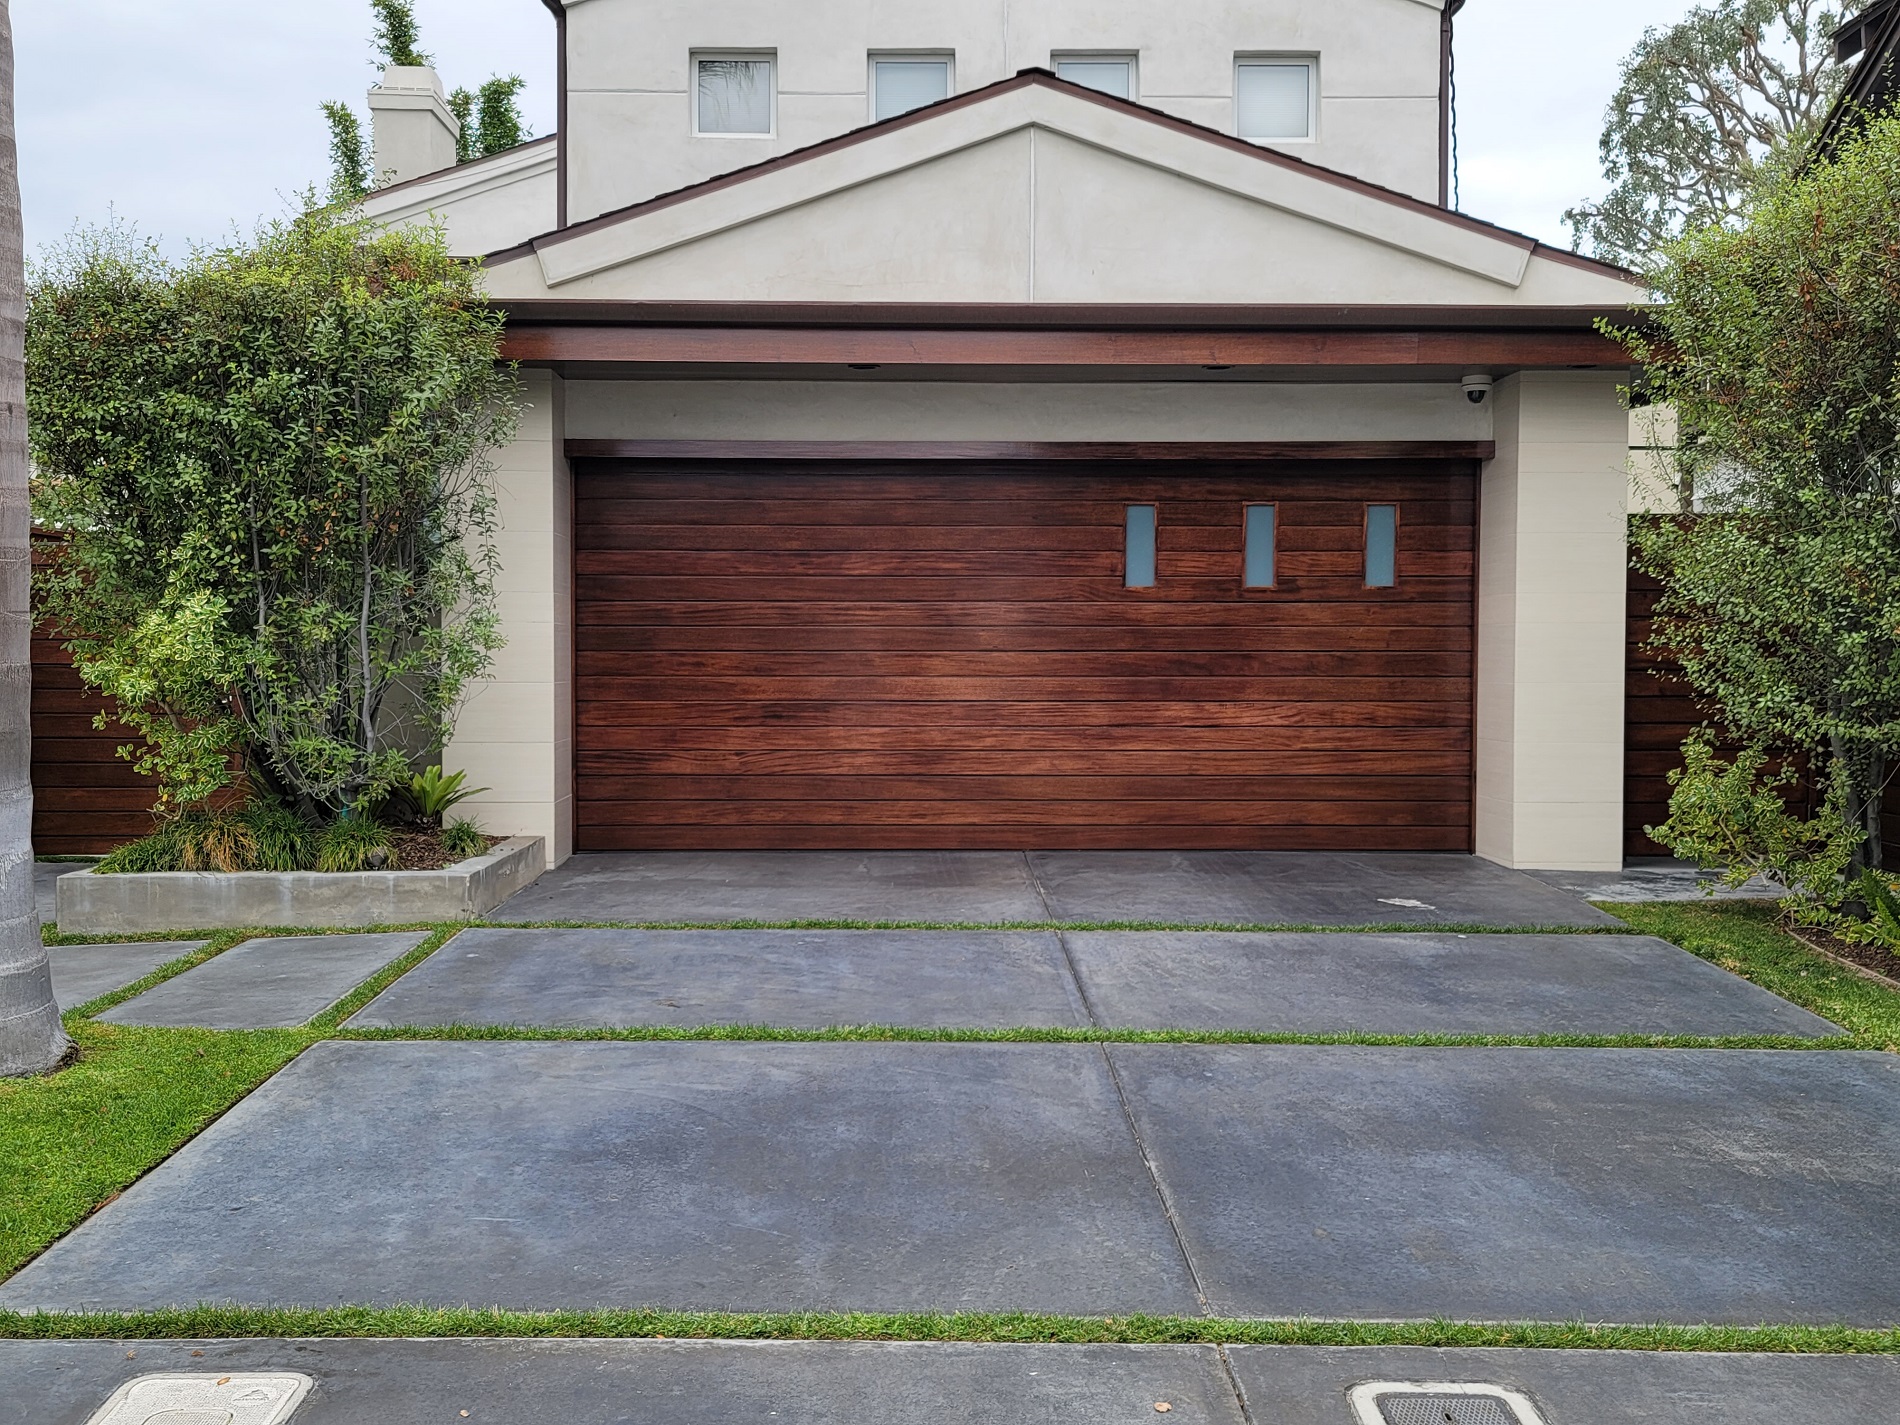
[90, 904]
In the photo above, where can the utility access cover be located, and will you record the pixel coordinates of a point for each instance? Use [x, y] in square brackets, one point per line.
[1441, 1403]
[251, 1399]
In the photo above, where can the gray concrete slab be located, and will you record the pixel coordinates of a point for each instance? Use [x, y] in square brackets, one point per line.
[81, 973]
[1652, 879]
[268, 983]
[652, 1382]
[751, 1176]
[1505, 1184]
[1299, 888]
[796, 978]
[1333, 983]
[668, 887]
[1309, 1386]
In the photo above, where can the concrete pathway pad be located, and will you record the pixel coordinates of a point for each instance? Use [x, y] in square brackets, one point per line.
[1294, 1385]
[653, 1382]
[751, 1177]
[1299, 888]
[81, 973]
[694, 887]
[795, 978]
[1333, 983]
[268, 983]
[1512, 1184]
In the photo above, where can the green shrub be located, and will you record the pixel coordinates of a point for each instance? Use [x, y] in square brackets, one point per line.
[434, 794]
[284, 840]
[462, 839]
[355, 844]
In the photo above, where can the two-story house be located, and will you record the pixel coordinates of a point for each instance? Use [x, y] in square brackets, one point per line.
[1027, 423]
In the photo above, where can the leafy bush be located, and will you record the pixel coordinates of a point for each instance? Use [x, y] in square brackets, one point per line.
[355, 844]
[270, 462]
[462, 839]
[1777, 342]
[1734, 815]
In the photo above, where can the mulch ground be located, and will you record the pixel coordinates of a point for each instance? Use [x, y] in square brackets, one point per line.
[418, 850]
[1880, 960]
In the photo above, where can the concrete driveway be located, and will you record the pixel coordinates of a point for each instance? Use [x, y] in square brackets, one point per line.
[1001, 887]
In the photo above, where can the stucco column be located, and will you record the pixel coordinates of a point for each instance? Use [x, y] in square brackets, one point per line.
[1552, 593]
[516, 733]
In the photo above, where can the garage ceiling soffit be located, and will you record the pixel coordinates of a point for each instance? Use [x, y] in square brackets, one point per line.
[1034, 101]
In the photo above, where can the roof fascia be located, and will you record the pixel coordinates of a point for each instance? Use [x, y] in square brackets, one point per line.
[939, 316]
[1418, 229]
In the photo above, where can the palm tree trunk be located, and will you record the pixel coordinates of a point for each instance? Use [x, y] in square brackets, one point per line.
[31, 1039]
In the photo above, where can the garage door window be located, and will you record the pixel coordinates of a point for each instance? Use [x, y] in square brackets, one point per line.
[1261, 524]
[1382, 546]
[1139, 565]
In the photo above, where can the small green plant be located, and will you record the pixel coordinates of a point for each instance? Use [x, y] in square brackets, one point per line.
[355, 844]
[462, 839]
[434, 793]
[1883, 908]
[283, 840]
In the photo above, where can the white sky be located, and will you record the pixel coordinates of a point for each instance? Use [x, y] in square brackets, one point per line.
[191, 117]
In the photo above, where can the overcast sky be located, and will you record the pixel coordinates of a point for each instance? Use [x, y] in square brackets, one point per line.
[191, 117]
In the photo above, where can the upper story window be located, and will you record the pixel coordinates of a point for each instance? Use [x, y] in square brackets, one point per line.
[735, 94]
[1274, 98]
[902, 82]
[1110, 73]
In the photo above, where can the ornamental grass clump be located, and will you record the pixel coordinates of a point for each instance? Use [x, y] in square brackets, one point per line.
[1777, 340]
[270, 466]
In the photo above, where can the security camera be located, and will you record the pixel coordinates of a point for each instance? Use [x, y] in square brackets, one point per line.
[1476, 389]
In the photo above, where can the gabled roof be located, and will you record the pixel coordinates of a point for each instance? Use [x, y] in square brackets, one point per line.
[1874, 35]
[1037, 100]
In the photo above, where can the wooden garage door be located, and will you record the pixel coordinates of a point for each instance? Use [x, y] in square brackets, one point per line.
[946, 656]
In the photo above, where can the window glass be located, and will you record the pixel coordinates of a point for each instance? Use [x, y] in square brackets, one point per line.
[1110, 76]
[1382, 546]
[1260, 529]
[1140, 564]
[734, 96]
[1273, 100]
[900, 85]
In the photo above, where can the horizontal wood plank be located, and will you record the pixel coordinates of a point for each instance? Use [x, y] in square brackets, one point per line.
[801, 656]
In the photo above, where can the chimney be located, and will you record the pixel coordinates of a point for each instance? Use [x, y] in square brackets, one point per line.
[414, 132]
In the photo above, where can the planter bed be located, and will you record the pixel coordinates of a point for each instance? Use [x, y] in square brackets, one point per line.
[91, 904]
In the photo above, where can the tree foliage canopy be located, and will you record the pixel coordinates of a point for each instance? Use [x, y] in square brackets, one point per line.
[269, 464]
[1779, 345]
[398, 36]
[1702, 106]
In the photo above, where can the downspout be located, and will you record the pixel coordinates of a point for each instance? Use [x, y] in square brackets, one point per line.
[1446, 100]
[559, 10]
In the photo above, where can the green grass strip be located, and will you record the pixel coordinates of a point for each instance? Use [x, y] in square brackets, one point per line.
[898, 1034]
[383, 979]
[1744, 939]
[221, 1323]
[71, 1142]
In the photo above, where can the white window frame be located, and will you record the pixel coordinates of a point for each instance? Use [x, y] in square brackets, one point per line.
[1129, 57]
[1311, 61]
[769, 56]
[945, 57]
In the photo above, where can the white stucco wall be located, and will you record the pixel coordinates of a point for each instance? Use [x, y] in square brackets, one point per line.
[484, 206]
[516, 733]
[629, 65]
[1552, 592]
[1035, 194]
[1068, 411]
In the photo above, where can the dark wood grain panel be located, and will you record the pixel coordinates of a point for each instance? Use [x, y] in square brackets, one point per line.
[86, 798]
[855, 655]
